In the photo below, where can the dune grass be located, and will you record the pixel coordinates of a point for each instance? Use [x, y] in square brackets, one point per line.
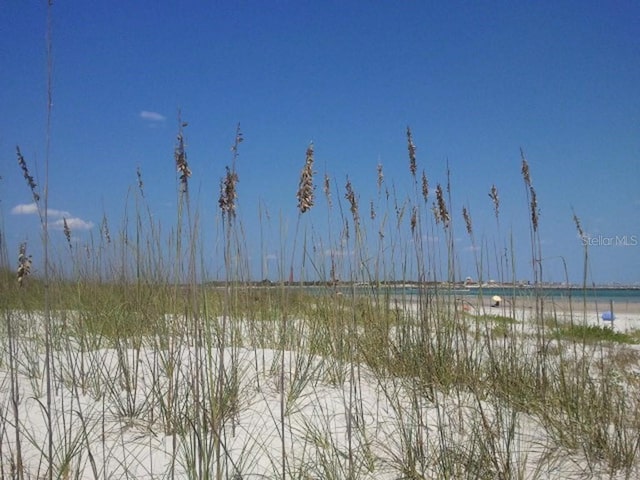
[158, 371]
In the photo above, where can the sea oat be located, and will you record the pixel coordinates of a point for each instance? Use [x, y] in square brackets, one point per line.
[67, 232]
[305, 187]
[576, 220]
[442, 206]
[412, 153]
[238, 140]
[414, 219]
[425, 187]
[526, 175]
[228, 194]
[493, 194]
[436, 212]
[372, 211]
[467, 220]
[104, 229]
[140, 183]
[180, 156]
[25, 172]
[228, 189]
[327, 189]
[24, 263]
[380, 176]
[525, 169]
[535, 211]
[353, 202]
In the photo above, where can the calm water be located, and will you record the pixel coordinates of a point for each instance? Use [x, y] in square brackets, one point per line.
[592, 294]
[597, 294]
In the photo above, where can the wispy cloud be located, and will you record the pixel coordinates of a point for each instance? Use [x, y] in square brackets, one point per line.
[25, 209]
[73, 223]
[32, 209]
[152, 116]
[58, 217]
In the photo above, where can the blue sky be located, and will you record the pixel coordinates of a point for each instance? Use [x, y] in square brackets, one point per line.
[475, 81]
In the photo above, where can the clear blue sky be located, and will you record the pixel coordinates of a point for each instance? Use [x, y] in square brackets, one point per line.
[476, 81]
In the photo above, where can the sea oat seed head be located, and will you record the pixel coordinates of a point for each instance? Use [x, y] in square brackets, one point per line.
[412, 153]
[67, 232]
[353, 202]
[327, 189]
[140, 183]
[414, 219]
[24, 263]
[467, 220]
[576, 220]
[228, 194]
[25, 173]
[425, 187]
[493, 194]
[442, 206]
[104, 229]
[535, 211]
[182, 166]
[305, 187]
[525, 169]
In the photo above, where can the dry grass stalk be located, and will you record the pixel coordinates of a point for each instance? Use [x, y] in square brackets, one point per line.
[345, 231]
[380, 176]
[238, 140]
[493, 194]
[372, 211]
[27, 176]
[24, 264]
[413, 168]
[305, 187]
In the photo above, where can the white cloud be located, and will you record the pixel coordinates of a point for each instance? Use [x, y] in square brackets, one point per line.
[58, 216]
[58, 213]
[152, 116]
[73, 223]
[32, 209]
[25, 209]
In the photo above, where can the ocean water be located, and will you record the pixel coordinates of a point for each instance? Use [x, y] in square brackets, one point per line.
[592, 294]
[596, 294]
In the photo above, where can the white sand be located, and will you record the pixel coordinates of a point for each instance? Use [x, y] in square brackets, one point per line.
[101, 442]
